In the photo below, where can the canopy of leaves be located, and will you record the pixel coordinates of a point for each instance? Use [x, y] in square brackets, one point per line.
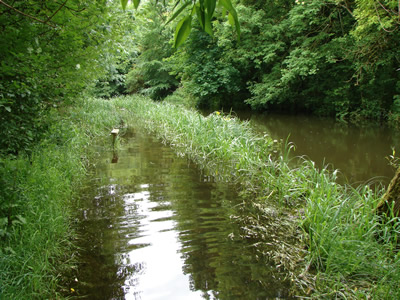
[49, 52]
[326, 57]
[149, 73]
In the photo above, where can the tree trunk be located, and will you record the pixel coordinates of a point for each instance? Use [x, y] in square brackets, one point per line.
[391, 198]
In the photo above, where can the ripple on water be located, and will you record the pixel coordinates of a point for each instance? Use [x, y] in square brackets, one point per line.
[153, 228]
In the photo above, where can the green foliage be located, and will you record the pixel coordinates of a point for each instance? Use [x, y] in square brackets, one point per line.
[118, 55]
[150, 74]
[204, 10]
[45, 64]
[34, 216]
[323, 57]
[202, 67]
[36, 201]
[182, 97]
[353, 250]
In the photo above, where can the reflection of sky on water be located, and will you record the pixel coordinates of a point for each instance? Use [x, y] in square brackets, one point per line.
[161, 276]
[153, 227]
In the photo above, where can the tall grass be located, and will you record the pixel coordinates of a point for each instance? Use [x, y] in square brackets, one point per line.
[355, 251]
[36, 237]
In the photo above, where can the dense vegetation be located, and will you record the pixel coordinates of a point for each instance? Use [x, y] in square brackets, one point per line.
[324, 57]
[335, 58]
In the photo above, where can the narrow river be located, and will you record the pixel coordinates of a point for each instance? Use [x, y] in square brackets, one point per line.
[152, 226]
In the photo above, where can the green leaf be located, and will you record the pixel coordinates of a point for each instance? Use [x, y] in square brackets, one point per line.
[207, 25]
[204, 19]
[229, 7]
[178, 11]
[7, 108]
[124, 3]
[200, 15]
[21, 219]
[210, 5]
[136, 3]
[231, 20]
[182, 31]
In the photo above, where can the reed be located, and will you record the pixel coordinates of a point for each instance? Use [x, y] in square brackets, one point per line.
[36, 207]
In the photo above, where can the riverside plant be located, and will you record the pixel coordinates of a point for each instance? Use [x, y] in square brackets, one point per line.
[37, 240]
[326, 235]
[36, 235]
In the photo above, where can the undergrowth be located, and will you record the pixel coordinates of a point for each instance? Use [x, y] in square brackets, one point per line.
[36, 236]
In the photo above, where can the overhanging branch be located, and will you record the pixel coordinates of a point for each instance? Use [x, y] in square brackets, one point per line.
[26, 15]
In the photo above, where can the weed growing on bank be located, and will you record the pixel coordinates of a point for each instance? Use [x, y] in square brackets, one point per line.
[35, 231]
[36, 236]
[349, 251]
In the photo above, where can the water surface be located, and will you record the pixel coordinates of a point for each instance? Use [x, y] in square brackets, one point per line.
[152, 226]
[359, 152]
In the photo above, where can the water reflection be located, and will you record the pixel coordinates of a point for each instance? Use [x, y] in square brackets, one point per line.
[358, 152]
[154, 227]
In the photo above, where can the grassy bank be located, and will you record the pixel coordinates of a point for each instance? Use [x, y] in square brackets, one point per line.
[324, 235]
[36, 237]
[343, 249]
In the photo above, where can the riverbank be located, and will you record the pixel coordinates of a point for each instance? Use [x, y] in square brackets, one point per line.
[36, 203]
[343, 250]
[326, 237]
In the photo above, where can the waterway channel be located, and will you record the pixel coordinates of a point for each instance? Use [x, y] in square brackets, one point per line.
[153, 226]
[359, 152]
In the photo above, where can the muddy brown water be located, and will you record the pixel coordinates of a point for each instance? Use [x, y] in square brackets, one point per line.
[153, 226]
[358, 152]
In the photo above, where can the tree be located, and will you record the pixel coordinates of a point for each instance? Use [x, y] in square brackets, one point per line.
[49, 52]
[150, 74]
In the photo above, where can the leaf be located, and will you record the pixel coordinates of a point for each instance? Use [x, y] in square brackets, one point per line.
[204, 19]
[182, 31]
[7, 108]
[136, 3]
[229, 7]
[227, 4]
[208, 26]
[178, 11]
[21, 219]
[200, 15]
[124, 3]
[231, 20]
[210, 5]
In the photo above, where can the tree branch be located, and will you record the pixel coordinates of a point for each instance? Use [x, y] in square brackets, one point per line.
[62, 5]
[25, 15]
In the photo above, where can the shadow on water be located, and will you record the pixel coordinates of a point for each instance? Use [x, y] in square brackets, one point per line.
[153, 227]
